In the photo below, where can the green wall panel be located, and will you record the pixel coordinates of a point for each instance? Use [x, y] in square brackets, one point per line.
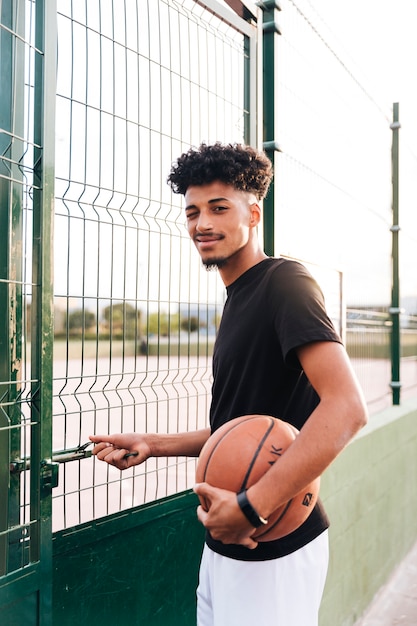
[140, 566]
[24, 611]
[370, 494]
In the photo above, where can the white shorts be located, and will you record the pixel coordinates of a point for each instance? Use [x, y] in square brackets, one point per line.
[282, 592]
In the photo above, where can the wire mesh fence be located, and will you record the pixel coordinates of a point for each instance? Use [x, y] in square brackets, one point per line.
[368, 341]
[135, 315]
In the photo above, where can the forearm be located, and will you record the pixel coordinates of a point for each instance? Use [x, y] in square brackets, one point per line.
[320, 441]
[124, 450]
[178, 444]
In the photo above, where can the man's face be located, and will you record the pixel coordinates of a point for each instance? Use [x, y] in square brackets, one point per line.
[219, 221]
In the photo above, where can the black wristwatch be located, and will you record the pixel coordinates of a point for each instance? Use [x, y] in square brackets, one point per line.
[248, 510]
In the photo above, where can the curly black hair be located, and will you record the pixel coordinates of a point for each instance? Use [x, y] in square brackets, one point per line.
[239, 165]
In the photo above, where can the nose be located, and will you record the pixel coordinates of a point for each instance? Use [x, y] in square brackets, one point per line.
[204, 222]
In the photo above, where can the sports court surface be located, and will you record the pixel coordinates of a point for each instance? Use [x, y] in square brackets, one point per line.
[396, 602]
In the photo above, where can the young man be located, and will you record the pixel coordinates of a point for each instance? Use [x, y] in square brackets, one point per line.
[278, 354]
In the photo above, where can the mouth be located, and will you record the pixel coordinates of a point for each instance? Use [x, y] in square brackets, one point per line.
[207, 241]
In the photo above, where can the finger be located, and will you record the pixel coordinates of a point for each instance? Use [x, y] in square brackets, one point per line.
[104, 452]
[204, 498]
[204, 489]
[100, 438]
[101, 446]
[113, 456]
[250, 543]
[201, 515]
[118, 459]
[119, 454]
[130, 457]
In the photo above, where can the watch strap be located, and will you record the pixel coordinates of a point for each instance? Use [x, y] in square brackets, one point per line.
[248, 511]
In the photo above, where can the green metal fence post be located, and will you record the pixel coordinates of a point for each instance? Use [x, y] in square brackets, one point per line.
[395, 308]
[42, 301]
[11, 180]
[271, 31]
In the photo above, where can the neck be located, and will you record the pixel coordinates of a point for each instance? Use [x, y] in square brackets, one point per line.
[237, 266]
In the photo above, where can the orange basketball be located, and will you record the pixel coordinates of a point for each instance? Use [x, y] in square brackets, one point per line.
[240, 452]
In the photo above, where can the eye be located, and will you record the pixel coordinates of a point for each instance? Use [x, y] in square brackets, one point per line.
[190, 215]
[219, 209]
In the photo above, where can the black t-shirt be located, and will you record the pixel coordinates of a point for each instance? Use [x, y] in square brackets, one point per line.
[271, 310]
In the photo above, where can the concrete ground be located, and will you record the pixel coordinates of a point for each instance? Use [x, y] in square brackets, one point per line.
[396, 602]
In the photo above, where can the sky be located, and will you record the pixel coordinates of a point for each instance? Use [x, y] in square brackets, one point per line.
[377, 38]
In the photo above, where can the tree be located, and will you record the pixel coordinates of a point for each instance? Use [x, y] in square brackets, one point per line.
[190, 324]
[123, 319]
[81, 319]
[162, 324]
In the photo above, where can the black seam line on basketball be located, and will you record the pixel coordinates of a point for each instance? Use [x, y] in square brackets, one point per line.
[218, 443]
[275, 524]
[255, 456]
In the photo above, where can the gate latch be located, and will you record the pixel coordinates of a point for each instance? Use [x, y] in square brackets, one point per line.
[49, 474]
[50, 467]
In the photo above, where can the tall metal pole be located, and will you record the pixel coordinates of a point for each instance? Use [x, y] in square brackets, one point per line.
[271, 32]
[395, 309]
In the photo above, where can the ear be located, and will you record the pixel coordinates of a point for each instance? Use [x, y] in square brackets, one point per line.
[255, 214]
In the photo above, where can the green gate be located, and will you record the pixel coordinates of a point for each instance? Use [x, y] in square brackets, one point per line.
[110, 320]
[27, 473]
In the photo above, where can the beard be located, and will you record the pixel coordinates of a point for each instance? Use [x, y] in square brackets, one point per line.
[215, 264]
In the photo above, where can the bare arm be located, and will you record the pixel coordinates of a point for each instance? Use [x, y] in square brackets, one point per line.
[339, 415]
[139, 447]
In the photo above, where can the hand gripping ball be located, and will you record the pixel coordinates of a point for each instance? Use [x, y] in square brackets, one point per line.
[237, 454]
